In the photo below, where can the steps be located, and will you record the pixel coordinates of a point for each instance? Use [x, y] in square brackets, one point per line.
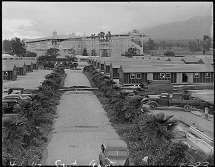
[201, 135]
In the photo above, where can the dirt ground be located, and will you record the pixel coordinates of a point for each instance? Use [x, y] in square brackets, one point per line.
[80, 127]
[31, 80]
[204, 94]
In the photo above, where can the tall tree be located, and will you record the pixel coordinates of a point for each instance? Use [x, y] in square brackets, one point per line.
[194, 46]
[169, 53]
[94, 53]
[6, 46]
[156, 129]
[53, 52]
[206, 43]
[132, 51]
[151, 44]
[71, 51]
[30, 54]
[18, 47]
[104, 53]
[14, 132]
[85, 52]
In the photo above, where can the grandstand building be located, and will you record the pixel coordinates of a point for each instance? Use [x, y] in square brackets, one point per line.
[114, 45]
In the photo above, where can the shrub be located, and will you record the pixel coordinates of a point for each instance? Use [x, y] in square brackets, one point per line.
[169, 53]
[38, 116]
[125, 112]
[59, 70]
[174, 155]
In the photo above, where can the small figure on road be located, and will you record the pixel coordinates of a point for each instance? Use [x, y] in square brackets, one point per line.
[206, 109]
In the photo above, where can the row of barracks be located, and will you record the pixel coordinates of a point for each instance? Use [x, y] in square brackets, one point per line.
[131, 71]
[19, 66]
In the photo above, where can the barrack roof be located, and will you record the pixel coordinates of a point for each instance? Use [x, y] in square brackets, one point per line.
[6, 66]
[168, 68]
[17, 63]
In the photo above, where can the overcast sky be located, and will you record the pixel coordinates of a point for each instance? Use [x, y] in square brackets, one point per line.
[40, 19]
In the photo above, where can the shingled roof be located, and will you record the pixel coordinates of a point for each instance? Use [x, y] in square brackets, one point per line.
[7, 66]
[116, 64]
[207, 60]
[27, 62]
[33, 59]
[191, 59]
[168, 68]
[18, 64]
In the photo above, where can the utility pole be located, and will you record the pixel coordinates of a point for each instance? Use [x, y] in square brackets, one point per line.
[94, 48]
[142, 42]
[99, 42]
[92, 44]
[109, 36]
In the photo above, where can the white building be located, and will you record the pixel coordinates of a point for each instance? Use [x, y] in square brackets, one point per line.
[115, 45]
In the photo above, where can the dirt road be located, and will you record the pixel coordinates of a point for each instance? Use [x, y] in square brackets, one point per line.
[80, 127]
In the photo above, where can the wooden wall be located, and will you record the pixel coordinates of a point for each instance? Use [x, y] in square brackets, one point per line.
[202, 78]
[115, 73]
[173, 77]
[128, 81]
[12, 75]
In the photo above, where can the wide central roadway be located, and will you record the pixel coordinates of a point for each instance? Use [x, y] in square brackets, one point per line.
[80, 127]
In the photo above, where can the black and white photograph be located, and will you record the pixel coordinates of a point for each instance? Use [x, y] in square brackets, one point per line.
[128, 83]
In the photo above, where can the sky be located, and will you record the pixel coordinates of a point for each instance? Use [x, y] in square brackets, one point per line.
[39, 19]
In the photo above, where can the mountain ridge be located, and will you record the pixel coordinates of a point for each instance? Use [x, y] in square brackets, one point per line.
[193, 28]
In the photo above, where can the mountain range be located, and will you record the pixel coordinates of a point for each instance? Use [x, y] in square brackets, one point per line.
[194, 28]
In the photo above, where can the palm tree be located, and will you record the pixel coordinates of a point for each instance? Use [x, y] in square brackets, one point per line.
[118, 103]
[99, 38]
[107, 86]
[14, 132]
[156, 129]
[132, 108]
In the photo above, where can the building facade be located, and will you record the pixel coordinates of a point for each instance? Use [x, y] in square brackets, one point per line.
[177, 74]
[41, 45]
[9, 71]
[70, 47]
[114, 45]
[131, 71]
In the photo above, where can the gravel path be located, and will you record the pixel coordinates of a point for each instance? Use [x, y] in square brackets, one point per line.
[80, 128]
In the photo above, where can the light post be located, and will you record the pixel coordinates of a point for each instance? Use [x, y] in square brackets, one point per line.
[142, 40]
[94, 37]
[109, 38]
[92, 44]
[106, 43]
[99, 36]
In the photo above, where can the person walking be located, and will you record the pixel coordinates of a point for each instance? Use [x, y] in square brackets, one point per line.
[206, 109]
